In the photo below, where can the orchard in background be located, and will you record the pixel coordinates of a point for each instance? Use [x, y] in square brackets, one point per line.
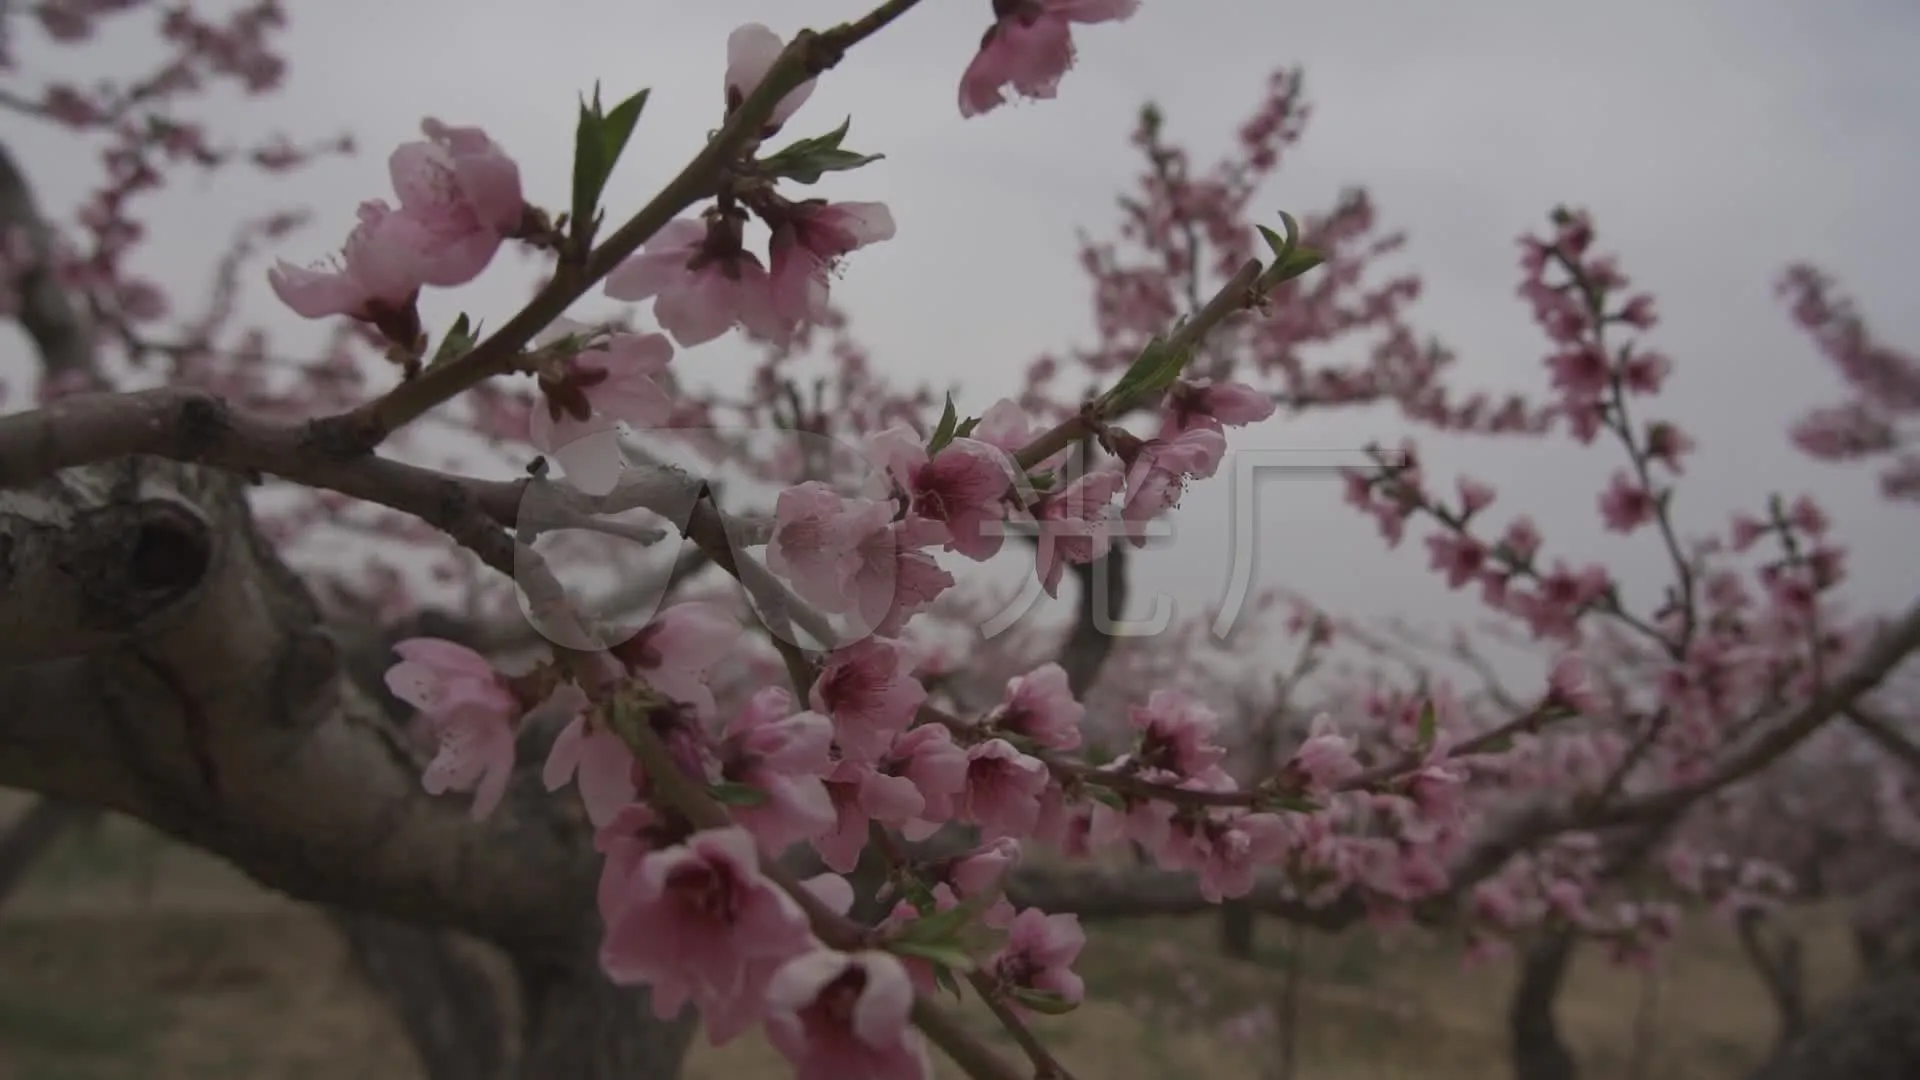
[799, 773]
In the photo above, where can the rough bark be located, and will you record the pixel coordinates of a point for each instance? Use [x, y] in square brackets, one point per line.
[1103, 597]
[578, 1025]
[1534, 1043]
[1776, 957]
[1238, 924]
[1872, 1033]
[447, 1002]
[160, 660]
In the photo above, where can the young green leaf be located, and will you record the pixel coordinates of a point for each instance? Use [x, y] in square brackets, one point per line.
[946, 955]
[1297, 262]
[942, 927]
[943, 431]
[457, 342]
[731, 794]
[1290, 260]
[1429, 726]
[598, 139]
[1155, 369]
[805, 161]
[943, 978]
[1043, 1002]
[1298, 804]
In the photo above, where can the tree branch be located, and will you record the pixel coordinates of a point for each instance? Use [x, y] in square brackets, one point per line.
[58, 331]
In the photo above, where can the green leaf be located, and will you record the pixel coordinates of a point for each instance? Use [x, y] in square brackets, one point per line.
[598, 139]
[965, 430]
[829, 141]
[1157, 366]
[732, 794]
[944, 979]
[943, 431]
[1275, 242]
[810, 169]
[1429, 726]
[1297, 262]
[1290, 260]
[941, 927]
[807, 160]
[946, 955]
[1044, 1002]
[1106, 797]
[457, 342]
[1299, 804]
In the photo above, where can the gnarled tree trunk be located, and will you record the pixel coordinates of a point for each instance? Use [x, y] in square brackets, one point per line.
[1533, 1032]
[159, 659]
[1872, 1033]
[1777, 960]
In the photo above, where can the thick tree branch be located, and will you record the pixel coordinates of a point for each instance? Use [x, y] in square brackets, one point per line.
[1887, 652]
[1095, 893]
[1885, 734]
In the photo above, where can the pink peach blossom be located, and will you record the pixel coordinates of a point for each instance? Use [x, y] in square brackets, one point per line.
[470, 711]
[894, 576]
[1076, 525]
[377, 281]
[869, 690]
[1325, 759]
[591, 392]
[1626, 504]
[600, 764]
[752, 50]
[840, 1016]
[1029, 48]
[701, 281]
[936, 766]
[862, 795]
[1199, 403]
[464, 192]
[816, 533]
[626, 838]
[700, 923]
[1039, 953]
[1158, 476]
[674, 650]
[962, 486]
[809, 239]
[784, 754]
[1177, 733]
[1040, 706]
[1003, 790]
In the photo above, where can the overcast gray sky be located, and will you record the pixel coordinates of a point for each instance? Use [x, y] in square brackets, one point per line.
[1714, 140]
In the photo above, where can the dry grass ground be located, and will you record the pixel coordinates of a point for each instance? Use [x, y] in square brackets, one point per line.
[129, 959]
